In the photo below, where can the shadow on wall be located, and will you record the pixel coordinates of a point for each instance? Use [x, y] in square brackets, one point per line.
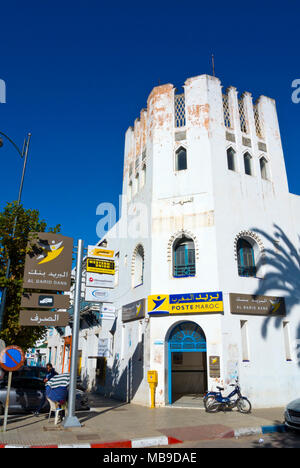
[282, 263]
[123, 386]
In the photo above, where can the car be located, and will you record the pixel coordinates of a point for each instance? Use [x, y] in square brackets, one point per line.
[26, 394]
[292, 415]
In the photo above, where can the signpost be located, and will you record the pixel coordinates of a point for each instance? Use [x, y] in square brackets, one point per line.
[11, 359]
[71, 420]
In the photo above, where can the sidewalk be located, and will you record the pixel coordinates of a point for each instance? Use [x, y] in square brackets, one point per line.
[113, 423]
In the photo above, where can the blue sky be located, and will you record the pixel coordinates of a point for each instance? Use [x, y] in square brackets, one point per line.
[78, 73]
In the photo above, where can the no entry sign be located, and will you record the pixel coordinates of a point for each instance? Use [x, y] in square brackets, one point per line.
[12, 358]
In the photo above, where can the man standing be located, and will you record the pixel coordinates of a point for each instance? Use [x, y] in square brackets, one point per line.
[50, 373]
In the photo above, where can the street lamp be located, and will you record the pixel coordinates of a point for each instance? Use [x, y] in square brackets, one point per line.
[24, 155]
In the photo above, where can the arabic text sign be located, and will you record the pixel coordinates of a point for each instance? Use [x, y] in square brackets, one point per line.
[43, 318]
[191, 303]
[98, 295]
[95, 251]
[246, 304]
[49, 262]
[57, 301]
[12, 358]
[100, 280]
[133, 311]
[94, 265]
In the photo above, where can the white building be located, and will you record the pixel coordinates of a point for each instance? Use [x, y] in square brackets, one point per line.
[208, 227]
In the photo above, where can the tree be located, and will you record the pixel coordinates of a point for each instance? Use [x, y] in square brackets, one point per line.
[15, 248]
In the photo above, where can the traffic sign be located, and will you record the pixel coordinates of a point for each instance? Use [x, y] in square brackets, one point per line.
[12, 358]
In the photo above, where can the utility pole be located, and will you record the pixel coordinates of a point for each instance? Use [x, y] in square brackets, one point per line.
[71, 420]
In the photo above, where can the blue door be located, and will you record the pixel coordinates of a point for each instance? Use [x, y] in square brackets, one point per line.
[186, 337]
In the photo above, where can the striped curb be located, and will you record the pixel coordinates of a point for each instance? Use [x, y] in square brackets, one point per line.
[248, 431]
[135, 443]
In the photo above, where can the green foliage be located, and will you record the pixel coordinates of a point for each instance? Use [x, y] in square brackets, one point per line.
[14, 247]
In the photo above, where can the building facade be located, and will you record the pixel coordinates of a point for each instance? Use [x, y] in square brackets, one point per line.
[207, 250]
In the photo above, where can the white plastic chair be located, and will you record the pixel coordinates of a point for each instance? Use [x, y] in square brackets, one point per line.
[55, 409]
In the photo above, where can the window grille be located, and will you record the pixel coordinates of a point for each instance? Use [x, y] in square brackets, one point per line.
[246, 261]
[179, 110]
[258, 126]
[184, 258]
[227, 119]
[243, 120]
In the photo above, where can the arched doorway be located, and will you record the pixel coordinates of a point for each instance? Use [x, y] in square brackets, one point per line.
[187, 368]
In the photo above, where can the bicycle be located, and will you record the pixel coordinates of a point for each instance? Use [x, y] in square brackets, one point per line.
[215, 401]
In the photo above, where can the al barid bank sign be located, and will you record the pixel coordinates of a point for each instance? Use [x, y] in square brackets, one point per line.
[48, 264]
[48, 267]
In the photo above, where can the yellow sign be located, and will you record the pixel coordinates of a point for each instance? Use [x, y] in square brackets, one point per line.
[99, 252]
[191, 303]
[158, 305]
[100, 266]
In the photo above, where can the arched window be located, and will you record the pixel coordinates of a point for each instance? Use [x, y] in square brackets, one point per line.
[246, 259]
[248, 163]
[263, 168]
[138, 266]
[180, 159]
[184, 260]
[231, 159]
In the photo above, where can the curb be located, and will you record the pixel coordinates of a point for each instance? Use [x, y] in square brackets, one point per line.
[135, 443]
[247, 431]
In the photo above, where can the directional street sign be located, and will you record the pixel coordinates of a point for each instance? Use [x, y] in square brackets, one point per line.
[12, 358]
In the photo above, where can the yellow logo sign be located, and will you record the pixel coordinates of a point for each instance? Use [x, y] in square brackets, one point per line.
[158, 304]
[50, 252]
[191, 303]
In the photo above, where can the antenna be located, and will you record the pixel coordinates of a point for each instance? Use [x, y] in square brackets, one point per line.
[213, 64]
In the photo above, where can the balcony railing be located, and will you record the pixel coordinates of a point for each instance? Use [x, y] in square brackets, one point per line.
[247, 271]
[181, 271]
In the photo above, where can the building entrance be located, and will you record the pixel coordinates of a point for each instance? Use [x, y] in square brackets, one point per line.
[187, 369]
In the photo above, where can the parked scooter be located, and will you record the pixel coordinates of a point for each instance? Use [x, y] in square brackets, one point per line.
[215, 401]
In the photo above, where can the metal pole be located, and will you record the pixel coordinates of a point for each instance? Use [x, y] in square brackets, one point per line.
[25, 155]
[71, 420]
[7, 401]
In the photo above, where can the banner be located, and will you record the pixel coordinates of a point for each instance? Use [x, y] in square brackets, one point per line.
[246, 304]
[190, 303]
[133, 311]
[98, 295]
[98, 280]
